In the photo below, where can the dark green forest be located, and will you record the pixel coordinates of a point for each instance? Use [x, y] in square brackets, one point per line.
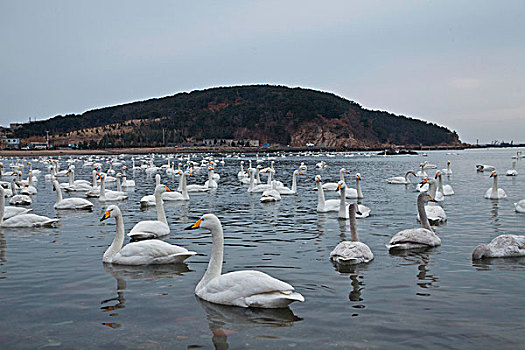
[270, 113]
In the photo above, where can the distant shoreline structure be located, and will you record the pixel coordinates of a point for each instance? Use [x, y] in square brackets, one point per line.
[227, 150]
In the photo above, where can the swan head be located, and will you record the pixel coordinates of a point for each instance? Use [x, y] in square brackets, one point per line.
[318, 178]
[448, 162]
[358, 176]
[493, 174]
[425, 180]
[425, 197]
[480, 252]
[109, 212]
[207, 222]
[343, 170]
[162, 189]
[340, 185]
[438, 174]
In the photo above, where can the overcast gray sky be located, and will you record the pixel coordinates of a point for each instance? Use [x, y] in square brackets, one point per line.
[460, 64]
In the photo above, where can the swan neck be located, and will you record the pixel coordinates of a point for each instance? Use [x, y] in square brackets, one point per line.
[441, 184]
[252, 181]
[184, 189]
[258, 176]
[94, 178]
[294, 182]
[58, 190]
[320, 196]
[353, 226]
[423, 214]
[341, 175]
[342, 202]
[495, 185]
[161, 215]
[30, 180]
[432, 188]
[71, 179]
[119, 187]
[215, 265]
[118, 241]
[102, 196]
[2, 205]
[358, 187]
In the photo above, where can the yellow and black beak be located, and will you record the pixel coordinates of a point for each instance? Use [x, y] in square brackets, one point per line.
[167, 188]
[423, 182]
[493, 174]
[430, 198]
[339, 187]
[300, 173]
[195, 225]
[106, 215]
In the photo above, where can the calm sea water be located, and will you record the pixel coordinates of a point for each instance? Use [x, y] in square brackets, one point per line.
[56, 292]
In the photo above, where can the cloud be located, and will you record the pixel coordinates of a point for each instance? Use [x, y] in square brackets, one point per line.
[465, 83]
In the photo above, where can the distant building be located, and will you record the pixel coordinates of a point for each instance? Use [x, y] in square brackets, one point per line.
[38, 145]
[10, 143]
[15, 126]
[230, 142]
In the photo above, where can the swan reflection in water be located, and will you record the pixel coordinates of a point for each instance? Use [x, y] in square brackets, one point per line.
[224, 320]
[494, 211]
[503, 264]
[121, 273]
[425, 279]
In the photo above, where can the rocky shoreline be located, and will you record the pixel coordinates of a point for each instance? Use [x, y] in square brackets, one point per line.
[202, 149]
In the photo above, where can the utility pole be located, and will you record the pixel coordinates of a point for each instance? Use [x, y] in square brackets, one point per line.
[163, 138]
[47, 139]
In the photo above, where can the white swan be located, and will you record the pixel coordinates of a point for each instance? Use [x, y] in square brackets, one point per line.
[196, 188]
[211, 183]
[148, 252]
[21, 219]
[125, 181]
[513, 171]
[242, 175]
[153, 228]
[503, 246]
[178, 196]
[247, 288]
[353, 193]
[401, 180]
[18, 199]
[108, 196]
[333, 186]
[447, 171]
[271, 195]
[421, 172]
[256, 188]
[485, 167]
[283, 190]
[362, 210]
[435, 214]
[351, 252]
[73, 203]
[324, 206]
[443, 190]
[494, 192]
[520, 206]
[416, 238]
[28, 188]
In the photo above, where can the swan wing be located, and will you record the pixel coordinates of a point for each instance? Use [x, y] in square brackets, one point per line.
[172, 196]
[9, 212]
[330, 186]
[149, 229]
[415, 237]
[74, 203]
[151, 248]
[28, 220]
[348, 252]
[507, 246]
[248, 288]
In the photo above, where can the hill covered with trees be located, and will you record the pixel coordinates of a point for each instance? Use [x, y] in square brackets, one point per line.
[272, 114]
